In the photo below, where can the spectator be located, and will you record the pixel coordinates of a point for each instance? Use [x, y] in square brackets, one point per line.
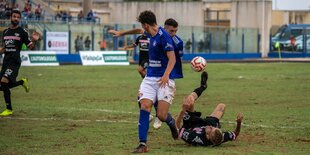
[80, 16]
[58, 13]
[90, 16]
[87, 43]
[38, 43]
[80, 44]
[76, 44]
[38, 12]
[16, 7]
[292, 41]
[102, 45]
[200, 45]
[69, 16]
[188, 45]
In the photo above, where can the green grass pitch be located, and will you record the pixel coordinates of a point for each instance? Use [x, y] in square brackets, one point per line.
[92, 110]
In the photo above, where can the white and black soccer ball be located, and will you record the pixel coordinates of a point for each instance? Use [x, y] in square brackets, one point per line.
[198, 64]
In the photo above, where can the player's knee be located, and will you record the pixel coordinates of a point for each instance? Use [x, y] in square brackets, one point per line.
[146, 106]
[4, 80]
[221, 106]
[140, 69]
[161, 116]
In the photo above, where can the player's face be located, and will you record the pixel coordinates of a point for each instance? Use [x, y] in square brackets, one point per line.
[146, 27]
[171, 30]
[15, 19]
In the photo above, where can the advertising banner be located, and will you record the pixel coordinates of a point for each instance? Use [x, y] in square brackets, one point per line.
[104, 58]
[39, 58]
[58, 42]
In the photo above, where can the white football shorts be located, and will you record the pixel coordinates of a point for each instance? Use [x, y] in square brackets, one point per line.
[150, 89]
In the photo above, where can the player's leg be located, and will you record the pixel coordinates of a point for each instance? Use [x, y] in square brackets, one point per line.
[188, 102]
[165, 97]
[143, 63]
[23, 82]
[203, 84]
[7, 96]
[219, 111]
[141, 71]
[157, 123]
[147, 94]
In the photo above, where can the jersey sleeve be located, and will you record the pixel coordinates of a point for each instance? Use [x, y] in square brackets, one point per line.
[167, 43]
[180, 46]
[25, 38]
[137, 41]
[229, 136]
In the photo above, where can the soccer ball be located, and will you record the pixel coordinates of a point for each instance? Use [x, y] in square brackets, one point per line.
[198, 64]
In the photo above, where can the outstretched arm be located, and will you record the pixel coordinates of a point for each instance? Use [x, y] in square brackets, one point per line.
[239, 121]
[231, 136]
[122, 33]
[128, 47]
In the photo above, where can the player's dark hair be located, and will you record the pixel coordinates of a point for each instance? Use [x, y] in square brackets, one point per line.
[171, 22]
[147, 17]
[16, 11]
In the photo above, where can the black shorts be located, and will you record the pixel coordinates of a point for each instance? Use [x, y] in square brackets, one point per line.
[10, 72]
[213, 121]
[143, 62]
[193, 119]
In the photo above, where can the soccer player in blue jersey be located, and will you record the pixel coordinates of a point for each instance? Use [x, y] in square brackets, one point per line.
[158, 85]
[199, 131]
[171, 26]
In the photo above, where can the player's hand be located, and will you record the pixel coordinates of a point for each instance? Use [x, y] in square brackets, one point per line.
[185, 106]
[115, 33]
[239, 118]
[35, 36]
[163, 81]
[190, 100]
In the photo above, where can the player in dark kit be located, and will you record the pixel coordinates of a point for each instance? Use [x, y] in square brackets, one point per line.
[143, 42]
[206, 131]
[13, 38]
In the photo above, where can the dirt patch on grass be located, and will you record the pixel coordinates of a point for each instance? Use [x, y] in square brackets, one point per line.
[302, 140]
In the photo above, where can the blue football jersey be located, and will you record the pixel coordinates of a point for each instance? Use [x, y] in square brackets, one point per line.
[158, 47]
[178, 50]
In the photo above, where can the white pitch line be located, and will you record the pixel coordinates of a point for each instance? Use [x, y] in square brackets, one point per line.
[68, 120]
[86, 109]
[269, 127]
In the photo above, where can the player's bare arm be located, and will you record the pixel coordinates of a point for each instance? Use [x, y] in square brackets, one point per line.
[129, 47]
[164, 79]
[239, 121]
[2, 50]
[122, 33]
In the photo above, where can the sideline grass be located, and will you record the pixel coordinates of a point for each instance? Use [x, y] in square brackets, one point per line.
[77, 109]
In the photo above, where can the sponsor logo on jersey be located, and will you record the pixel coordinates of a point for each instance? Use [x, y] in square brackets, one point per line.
[8, 72]
[197, 140]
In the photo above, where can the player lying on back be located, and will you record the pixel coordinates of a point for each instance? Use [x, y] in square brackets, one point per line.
[207, 131]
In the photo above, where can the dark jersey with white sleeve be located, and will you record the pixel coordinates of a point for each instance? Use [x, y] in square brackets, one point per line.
[197, 136]
[13, 40]
[143, 42]
[193, 129]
